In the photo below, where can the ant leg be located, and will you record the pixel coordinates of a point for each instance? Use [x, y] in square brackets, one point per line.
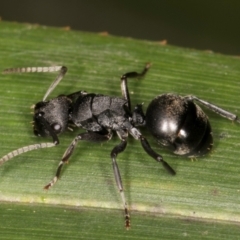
[156, 156]
[146, 146]
[116, 150]
[62, 69]
[124, 87]
[88, 136]
[215, 109]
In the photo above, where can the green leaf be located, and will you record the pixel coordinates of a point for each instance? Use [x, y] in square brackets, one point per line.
[201, 201]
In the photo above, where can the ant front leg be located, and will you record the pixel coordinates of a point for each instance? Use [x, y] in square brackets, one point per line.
[88, 136]
[124, 87]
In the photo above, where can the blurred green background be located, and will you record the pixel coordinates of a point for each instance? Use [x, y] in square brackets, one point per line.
[200, 24]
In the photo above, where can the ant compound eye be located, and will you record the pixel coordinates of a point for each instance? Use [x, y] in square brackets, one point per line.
[56, 127]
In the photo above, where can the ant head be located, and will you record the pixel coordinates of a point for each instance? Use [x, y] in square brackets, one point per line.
[51, 117]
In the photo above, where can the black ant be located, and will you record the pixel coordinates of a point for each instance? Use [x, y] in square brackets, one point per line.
[173, 120]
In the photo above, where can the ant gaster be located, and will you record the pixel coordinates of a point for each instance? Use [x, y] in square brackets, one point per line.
[173, 120]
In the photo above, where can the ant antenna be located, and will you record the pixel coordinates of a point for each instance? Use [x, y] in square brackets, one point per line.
[62, 69]
[21, 150]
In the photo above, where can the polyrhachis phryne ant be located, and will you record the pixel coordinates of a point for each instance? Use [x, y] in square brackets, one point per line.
[175, 121]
